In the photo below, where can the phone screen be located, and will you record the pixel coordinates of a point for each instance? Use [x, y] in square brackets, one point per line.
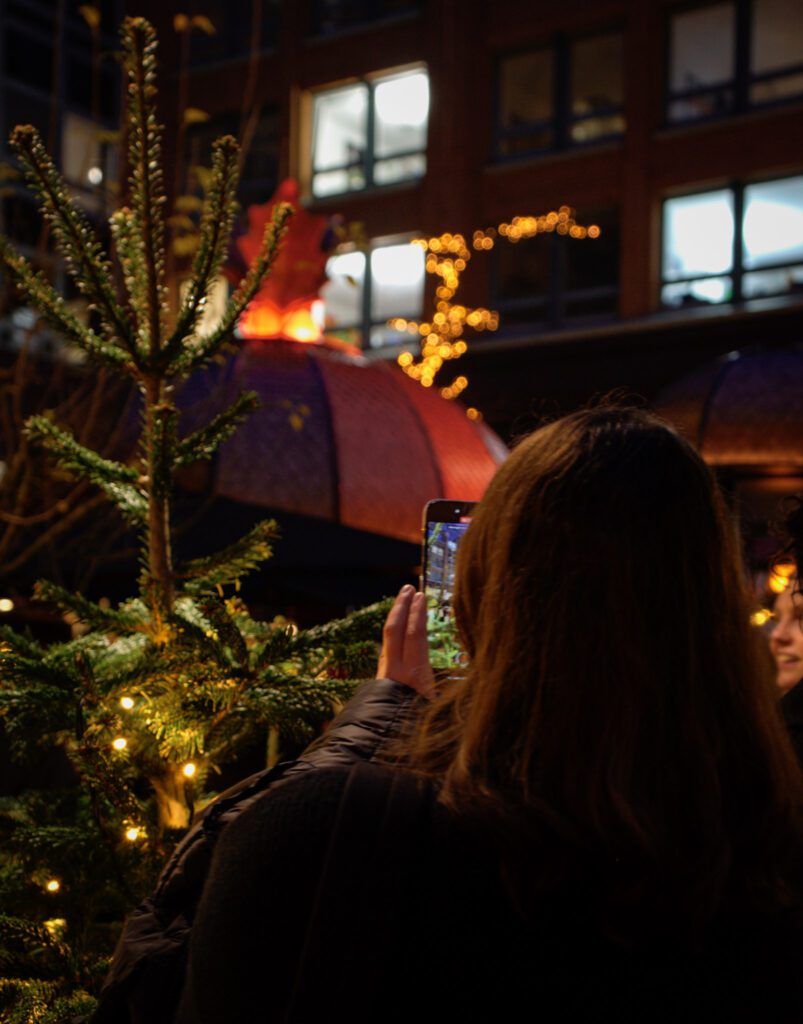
[441, 541]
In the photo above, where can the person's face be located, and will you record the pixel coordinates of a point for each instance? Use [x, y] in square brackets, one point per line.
[786, 639]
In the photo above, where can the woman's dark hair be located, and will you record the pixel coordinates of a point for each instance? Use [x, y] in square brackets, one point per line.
[616, 715]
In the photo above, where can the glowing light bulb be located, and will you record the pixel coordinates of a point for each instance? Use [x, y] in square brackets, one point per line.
[189, 769]
[53, 885]
[6, 604]
[120, 743]
[762, 616]
[132, 833]
[127, 703]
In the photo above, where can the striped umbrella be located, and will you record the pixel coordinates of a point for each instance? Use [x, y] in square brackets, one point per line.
[341, 438]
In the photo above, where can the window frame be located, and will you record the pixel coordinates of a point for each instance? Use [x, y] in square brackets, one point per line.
[366, 18]
[558, 296]
[741, 81]
[370, 159]
[737, 270]
[367, 323]
[562, 119]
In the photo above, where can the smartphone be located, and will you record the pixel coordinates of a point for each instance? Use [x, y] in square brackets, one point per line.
[445, 522]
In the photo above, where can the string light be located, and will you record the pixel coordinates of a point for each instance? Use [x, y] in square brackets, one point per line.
[761, 617]
[780, 576]
[127, 703]
[447, 256]
[6, 604]
[53, 885]
[120, 743]
[189, 769]
[57, 926]
[132, 833]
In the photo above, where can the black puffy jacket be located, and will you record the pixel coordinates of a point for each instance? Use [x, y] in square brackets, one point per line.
[148, 967]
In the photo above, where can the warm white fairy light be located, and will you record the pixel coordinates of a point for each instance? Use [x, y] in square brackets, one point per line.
[53, 885]
[447, 255]
[133, 833]
[120, 743]
[189, 769]
[780, 576]
[6, 605]
[127, 703]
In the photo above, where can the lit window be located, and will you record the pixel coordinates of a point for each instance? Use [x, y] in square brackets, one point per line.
[554, 279]
[567, 94]
[365, 290]
[728, 57]
[370, 133]
[704, 261]
[87, 158]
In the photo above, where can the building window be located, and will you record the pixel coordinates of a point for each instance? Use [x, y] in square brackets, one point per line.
[570, 93]
[259, 175]
[743, 242]
[233, 35]
[366, 289]
[332, 16]
[554, 279]
[726, 58]
[88, 159]
[371, 133]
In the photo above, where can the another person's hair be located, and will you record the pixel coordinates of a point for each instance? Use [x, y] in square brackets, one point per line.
[793, 531]
[616, 719]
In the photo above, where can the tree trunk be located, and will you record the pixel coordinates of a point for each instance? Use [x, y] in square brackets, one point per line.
[171, 802]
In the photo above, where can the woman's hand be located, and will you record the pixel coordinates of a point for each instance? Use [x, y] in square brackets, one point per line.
[405, 653]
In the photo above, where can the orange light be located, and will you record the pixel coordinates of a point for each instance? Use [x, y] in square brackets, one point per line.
[264, 319]
[780, 576]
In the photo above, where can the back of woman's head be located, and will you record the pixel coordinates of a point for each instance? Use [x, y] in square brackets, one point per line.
[615, 697]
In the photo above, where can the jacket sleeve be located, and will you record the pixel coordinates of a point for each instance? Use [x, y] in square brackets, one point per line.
[372, 717]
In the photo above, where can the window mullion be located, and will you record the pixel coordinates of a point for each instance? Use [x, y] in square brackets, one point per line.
[367, 292]
[370, 134]
[741, 68]
[738, 245]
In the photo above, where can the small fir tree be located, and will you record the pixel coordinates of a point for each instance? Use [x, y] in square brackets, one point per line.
[161, 690]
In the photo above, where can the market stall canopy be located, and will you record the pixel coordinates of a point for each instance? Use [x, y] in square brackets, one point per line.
[745, 409]
[340, 438]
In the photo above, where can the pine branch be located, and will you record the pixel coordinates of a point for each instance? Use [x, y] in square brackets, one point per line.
[295, 702]
[208, 346]
[35, 287]
[97, 618]
[82, 251]
[233, 562]
[192, 641]
[203, 443]
[354, 629]
[147, 178]
[35, 708]
[216, 224]
[128, 243]
[32, 941]
[25, 646]
[225, 627]
[116, 480]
